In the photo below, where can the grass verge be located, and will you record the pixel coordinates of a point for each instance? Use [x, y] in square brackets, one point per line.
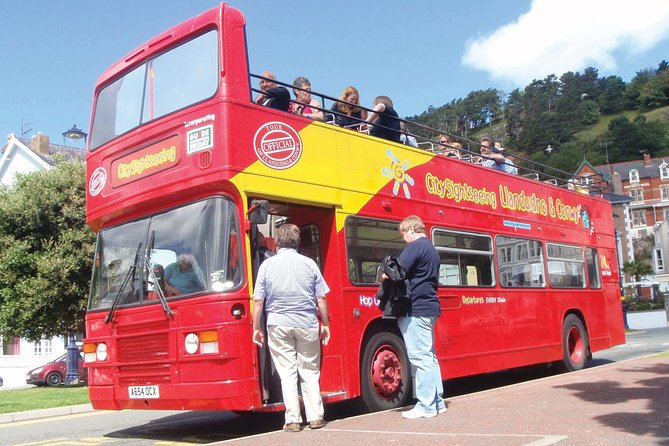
[19, 400]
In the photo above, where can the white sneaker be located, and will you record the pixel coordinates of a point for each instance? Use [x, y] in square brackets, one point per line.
[442, 410]
[417, 413]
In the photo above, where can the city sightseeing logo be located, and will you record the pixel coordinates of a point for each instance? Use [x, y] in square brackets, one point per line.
[277, 145]
[97, 181]
[397, 172]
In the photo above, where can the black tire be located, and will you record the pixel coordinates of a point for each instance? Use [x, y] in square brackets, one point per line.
[53, 379]
[385, 373]
[575, 344]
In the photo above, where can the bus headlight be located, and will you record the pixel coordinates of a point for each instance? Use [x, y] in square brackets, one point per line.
[191, 343]
[101, 351]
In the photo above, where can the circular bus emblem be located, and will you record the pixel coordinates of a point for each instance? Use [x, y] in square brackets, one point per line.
[277, 145]
[97, 181]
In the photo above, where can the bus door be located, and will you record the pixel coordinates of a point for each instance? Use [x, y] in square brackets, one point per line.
[318, 241]
[317, 233]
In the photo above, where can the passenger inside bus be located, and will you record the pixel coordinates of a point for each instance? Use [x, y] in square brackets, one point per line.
[264, 252]
[453, 151]
[348, 113]
[304, 104]
[265, 84]
[384, 119]
[184, 276]
[277, 98]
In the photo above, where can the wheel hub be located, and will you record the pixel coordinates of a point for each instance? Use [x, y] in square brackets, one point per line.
[386, 372]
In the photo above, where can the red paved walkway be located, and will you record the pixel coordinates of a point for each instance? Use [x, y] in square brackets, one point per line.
[625, 403]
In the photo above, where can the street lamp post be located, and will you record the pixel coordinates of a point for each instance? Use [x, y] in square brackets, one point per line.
[75, 133]
[72, 361]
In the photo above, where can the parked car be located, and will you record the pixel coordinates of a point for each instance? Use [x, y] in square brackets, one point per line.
[53, 373]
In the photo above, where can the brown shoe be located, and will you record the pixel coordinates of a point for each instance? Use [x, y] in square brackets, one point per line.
[291, 427]
[317, 424]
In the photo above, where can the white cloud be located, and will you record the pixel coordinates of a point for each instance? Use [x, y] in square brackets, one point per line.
[568, 35]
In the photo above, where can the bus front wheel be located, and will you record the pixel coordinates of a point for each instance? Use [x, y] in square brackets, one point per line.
[385, 373]
[574, 344]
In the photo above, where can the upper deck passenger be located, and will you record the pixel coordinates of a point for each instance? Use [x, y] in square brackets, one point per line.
[384, 119]
[304, 104]
[490, 156]
[265, 84]
[348, 112]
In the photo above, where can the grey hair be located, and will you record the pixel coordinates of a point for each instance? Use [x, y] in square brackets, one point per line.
[187, 258]
[300, 82]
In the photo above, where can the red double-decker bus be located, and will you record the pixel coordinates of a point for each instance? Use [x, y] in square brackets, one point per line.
[187, 180]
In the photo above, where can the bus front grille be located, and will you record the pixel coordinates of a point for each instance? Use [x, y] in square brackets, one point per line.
[140, 375]
[144, 358]
[147, 347]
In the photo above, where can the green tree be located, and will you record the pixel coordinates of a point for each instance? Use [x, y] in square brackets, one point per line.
[637, 269]
[589, 111]
[46, 253]
[655, 93]
[633, 88]
[611, 97]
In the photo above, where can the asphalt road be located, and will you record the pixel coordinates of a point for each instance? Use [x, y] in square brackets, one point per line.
[166, 428]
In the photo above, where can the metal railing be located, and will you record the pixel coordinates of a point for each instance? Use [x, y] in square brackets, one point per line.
[525, 167]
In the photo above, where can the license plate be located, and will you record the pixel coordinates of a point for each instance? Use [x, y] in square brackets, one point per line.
[143, 392]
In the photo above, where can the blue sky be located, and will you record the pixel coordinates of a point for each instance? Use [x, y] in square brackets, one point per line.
[420, 53]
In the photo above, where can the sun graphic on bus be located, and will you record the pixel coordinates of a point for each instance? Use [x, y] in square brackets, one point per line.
[397, 171]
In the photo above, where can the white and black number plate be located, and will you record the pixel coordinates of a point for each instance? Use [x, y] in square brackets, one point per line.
[143, 392]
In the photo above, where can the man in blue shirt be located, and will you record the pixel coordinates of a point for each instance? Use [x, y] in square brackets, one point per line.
[292, 290]
[420, 261]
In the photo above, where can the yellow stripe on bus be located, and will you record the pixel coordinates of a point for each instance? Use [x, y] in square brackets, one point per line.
[347, 176]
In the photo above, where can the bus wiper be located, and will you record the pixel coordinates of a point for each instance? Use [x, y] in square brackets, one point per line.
[129, 275]
[154, 279]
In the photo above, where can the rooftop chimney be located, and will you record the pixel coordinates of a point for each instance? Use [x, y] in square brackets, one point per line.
[40, 144]
[617, 184]
[646, 160]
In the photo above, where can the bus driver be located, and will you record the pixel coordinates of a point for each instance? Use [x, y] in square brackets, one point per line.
[183, 276]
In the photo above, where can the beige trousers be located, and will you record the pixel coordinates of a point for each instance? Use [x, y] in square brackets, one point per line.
[297, 352]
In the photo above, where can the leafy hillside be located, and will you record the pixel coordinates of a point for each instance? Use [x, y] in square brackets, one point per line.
[601, 127]
[574, 116]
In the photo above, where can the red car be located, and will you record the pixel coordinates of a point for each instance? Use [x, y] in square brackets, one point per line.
[54, 373]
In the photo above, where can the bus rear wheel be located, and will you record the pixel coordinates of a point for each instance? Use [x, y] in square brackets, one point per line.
[575, 344]
[385, 373]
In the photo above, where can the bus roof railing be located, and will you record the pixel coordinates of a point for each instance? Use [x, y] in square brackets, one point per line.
[529, 168]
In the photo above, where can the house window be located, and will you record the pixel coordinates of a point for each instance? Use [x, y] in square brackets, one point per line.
[664, 171]
[664, 193]
[659, 260]
[637, 195]
[11, 346]
[634, 176]
[43, 348]
[639, 217]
